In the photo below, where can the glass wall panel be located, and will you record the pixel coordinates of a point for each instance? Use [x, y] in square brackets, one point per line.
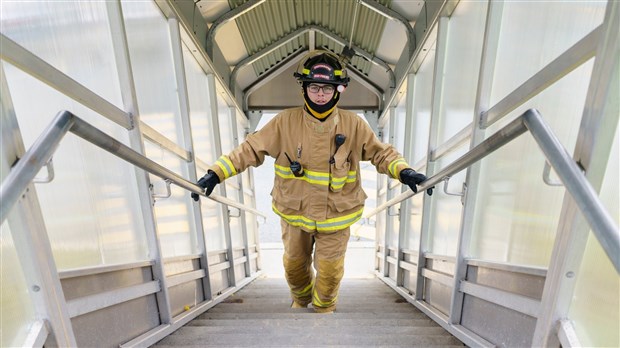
[447, 209]
[594, 310]
[460, 76]
[422, 98]
[204, 149]
[517, 213]
[227, 138]
[396, 138]
[150, 50]
[264, 176]
[173, 214]
[400, 117]
[534, 33]
[382, 187]
[246, 181]
[91, 208]
[16, 308]
[72, 36]
[412, 240]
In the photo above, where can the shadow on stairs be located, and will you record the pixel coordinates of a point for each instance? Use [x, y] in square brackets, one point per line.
[369, 313]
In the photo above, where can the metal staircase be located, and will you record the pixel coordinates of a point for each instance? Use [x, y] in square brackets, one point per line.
[369, 313]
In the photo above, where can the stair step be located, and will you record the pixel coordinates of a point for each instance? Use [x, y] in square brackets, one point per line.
[314, 321]
[369, 313]
[308, 337]
[299, 314]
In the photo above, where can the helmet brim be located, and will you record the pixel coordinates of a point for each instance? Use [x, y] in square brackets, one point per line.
[302, 78]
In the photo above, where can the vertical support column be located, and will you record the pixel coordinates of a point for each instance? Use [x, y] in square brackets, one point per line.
[382, 184]
[29, 234]
[183, 95]
[483, 96]
[212, 89]
[596, 134]
[425, 231]
[389, 226]
[130, 104]
[405, 206]
[240, 198]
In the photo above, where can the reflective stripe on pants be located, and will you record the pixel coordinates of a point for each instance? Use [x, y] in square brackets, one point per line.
[329, 252]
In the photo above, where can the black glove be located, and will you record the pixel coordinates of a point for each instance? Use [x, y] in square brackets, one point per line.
[207, 182]
[411, 178]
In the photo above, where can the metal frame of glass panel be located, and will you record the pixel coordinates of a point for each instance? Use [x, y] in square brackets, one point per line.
[601, 112]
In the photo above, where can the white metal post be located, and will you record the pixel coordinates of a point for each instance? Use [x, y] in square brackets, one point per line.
[389, 223]
[408, 152]
[217, 140]
[483, 95]
[183, 95]
[240, 198]
[130, 104]
[30, 235]
[426, 232]
[596, 134]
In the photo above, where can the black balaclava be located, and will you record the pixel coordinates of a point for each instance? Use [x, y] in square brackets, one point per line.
[320, 112]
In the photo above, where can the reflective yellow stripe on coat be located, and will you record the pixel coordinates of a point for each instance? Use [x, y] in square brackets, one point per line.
[317, 178]
[329, 225]
[226, 166]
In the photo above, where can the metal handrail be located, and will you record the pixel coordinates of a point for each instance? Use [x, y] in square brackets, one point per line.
[586, 198]
[44, 147]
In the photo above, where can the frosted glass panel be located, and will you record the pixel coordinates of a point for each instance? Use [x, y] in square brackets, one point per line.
[151, 59]
[423, 92]
[227, 138]
[382, 184]
[244, 180]
[369, 183]
[447, 210]
[465, 36]
[517, 213]
[226, 130]
[412, 240]
[91, 208]
[533, 33]
[394, 187]
[15, 306]
[594, 309]
[400, 117]
[72, 36]
[173, 213]
[202, 133]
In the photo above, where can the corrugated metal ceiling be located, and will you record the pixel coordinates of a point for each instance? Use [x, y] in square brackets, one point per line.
[272, 20]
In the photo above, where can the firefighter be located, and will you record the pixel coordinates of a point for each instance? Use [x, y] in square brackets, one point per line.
[317, 189]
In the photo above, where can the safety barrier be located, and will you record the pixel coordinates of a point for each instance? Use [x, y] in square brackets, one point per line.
[42, 150]
[75, 303]
[570, 174]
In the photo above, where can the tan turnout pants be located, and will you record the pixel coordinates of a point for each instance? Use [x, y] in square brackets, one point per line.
[329, 251]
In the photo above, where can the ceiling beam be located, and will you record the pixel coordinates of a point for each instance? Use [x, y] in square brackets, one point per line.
[301, 31]
[393, 15]
[225, 18]
[294, 59]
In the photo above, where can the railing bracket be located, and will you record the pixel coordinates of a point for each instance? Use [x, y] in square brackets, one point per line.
[49, 165]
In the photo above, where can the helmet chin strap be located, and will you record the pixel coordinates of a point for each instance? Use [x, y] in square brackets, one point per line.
[320, 112]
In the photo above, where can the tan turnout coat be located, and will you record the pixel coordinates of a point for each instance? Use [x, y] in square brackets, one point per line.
[328, 197]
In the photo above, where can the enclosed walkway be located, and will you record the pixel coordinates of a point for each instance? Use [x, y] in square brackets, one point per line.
[369, 313]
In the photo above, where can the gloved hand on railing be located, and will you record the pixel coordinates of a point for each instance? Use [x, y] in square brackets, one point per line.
[207, 182]
[412, 178]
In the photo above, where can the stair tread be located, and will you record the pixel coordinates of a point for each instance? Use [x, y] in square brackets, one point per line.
[369, 313]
